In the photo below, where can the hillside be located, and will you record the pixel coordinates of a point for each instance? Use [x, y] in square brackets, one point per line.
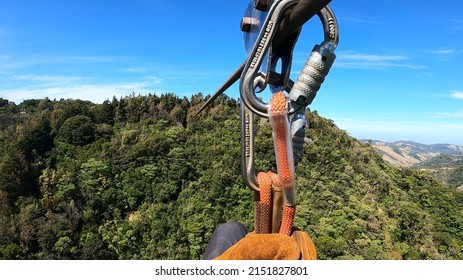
[443, 161]
[447, 168]
[408, 153]
[137, 178]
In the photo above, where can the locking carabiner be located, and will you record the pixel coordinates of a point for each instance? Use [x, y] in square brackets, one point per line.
[318, 64]
[311, 78]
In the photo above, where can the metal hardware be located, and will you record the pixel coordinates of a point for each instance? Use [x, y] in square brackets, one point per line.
[263, 44]
[300, 14]
[247, 24]
[261, 28]
[257, 55]
[262, 5]
[311, 78]
[271, 29]
[318, 64]
[301, 92]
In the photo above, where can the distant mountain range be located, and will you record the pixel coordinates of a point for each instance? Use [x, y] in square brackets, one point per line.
[408, 153]
[444, 161]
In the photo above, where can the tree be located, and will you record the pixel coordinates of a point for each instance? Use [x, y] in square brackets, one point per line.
[37, 138]
[147, 187]
[17, 176]
[78, 130]
[65, 109]
[104, 113]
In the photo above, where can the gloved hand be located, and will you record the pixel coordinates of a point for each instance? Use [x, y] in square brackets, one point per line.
[272, 247]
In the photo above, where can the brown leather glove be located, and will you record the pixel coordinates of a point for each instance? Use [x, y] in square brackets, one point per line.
[272, 247]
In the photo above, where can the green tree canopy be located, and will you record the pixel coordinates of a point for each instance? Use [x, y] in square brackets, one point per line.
[78, 130]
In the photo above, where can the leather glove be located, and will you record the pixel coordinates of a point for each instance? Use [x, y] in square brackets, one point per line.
[272, 247]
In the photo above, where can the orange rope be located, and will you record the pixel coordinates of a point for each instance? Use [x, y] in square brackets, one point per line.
[287, 222]
[283, 157]
[278, 106]
[285, 178]
[264, 205]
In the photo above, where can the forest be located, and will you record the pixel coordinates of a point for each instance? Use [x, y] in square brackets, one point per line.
[446, 168]
[137, 177]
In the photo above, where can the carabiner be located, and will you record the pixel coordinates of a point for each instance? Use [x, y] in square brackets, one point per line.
[263, 44]
[318, 64]
[256, 56]
[302, 91]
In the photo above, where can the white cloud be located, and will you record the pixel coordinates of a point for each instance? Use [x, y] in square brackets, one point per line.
[81, 59]
[370, 57]
[31, 86]
[49, 79]
[456, 25]
[445, 54]
[97, 78]
[457, 95]
[9, 62]
[444, 51]
[449, 116]
[93, 92]
[153, 80]
[353, 60]
[424, 75]
[357, 18]
[136, 70]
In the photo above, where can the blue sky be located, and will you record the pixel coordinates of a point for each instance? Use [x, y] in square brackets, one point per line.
[397, 76]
